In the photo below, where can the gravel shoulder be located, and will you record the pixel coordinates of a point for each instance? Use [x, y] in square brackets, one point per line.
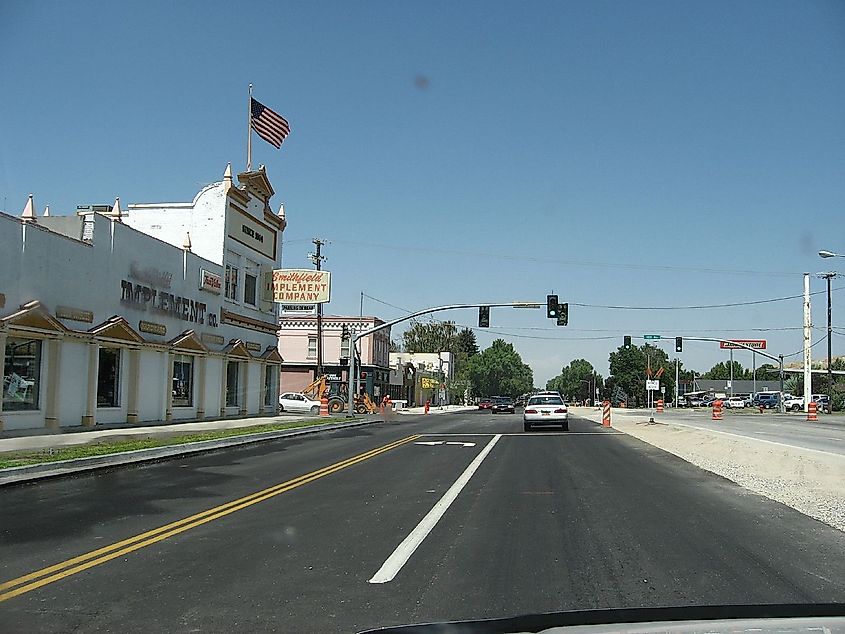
[810, 481]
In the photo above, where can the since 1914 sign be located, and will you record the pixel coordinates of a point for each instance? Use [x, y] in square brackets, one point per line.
[301, 286]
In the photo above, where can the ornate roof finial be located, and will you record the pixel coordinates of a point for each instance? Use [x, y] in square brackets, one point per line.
[29, 209]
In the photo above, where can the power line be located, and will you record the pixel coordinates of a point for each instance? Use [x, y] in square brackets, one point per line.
[702, 307]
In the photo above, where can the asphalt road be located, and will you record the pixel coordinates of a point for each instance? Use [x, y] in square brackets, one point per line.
[827, 434]
[367, 527]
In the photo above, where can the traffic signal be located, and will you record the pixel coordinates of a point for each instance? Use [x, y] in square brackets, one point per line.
[563, 314]
[483, 316]
[679, 344]
[551, 307]
[627, 343]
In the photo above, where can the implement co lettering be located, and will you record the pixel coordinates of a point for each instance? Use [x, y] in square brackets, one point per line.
[183, 308]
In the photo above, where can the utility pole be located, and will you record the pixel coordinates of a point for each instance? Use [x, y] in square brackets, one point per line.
[677, 380]
[317, 259]
[828, 277]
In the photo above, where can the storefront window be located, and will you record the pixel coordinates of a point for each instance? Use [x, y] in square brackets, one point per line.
[183, 380]
[108, 378]
[268, 385]
[312, 347]
[232, 376]
[21, 374]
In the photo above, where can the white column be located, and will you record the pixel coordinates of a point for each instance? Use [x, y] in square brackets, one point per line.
[3, 336]
[262, 397]
[54, 356]
[134, 378]
[201, 361]
[277, 387]
[89, 418]
[223, 387]
[243, 368]
[168, 372]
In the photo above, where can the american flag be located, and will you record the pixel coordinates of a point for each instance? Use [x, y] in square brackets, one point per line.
[270, 126]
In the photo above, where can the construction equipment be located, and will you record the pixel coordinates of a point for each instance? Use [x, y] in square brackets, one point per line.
[337, 397]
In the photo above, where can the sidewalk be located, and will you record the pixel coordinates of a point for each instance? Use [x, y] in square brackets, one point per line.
[33, 439]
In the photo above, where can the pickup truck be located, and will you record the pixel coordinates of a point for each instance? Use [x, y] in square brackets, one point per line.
[793, 403]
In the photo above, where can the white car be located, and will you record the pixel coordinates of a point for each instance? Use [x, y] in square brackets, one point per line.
[734, 402]
[297, 402]
[545, 409]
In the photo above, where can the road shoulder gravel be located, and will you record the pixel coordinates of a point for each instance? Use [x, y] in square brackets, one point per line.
[810, 481]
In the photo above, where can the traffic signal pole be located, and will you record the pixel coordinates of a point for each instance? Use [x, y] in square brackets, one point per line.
[354, 337]
[778, 358]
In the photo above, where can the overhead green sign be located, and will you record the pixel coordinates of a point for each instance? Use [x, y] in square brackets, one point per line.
[651, 336]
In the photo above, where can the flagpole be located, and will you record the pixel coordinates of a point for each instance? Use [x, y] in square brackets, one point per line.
[249, 132]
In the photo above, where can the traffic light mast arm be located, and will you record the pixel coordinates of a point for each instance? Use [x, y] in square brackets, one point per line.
[437, 309]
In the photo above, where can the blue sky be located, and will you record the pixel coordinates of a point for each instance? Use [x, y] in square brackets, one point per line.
[647, 154]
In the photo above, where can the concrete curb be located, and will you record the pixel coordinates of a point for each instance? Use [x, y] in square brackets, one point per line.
[31, 473]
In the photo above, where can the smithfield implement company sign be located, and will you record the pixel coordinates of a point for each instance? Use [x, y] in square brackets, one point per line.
[301, 286]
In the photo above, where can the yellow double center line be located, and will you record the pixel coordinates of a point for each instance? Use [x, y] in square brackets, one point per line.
[72, 566]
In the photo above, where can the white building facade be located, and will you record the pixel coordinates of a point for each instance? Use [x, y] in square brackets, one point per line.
[102, 323]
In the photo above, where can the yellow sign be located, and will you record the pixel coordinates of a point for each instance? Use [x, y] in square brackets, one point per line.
[301, 286]
[428, 383]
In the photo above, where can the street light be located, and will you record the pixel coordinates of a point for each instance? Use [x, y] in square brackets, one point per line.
[829, 276]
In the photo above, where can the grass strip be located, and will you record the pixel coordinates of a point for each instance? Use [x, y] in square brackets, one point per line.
[105, 447]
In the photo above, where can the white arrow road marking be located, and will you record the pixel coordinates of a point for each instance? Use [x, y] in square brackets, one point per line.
[393, 564]
[432, 443]
[465, 444]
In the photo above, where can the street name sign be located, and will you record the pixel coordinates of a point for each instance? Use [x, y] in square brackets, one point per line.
[757, 344]
[651, 336]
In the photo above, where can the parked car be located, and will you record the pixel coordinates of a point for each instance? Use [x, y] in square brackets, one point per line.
[298, 402]
[545, 409]
[822, 400]
[793, 403]
[502, 404]
[694, 401]
[708, 402]
[734, 402]
[485, 403]
[767, 400]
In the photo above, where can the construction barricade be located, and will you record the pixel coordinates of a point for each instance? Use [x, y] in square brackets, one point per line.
[717, 410]
[605, 414]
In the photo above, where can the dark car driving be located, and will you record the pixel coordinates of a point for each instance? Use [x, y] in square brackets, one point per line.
[503, 404]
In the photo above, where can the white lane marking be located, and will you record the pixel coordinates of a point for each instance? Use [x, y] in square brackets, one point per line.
[393, 564]
[770, 442]
[432, 443]
[609, 432]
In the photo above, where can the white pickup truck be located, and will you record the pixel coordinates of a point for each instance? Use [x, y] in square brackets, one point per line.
[793, 403]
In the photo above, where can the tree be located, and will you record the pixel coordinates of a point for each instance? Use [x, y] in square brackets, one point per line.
[722, 371]
[394, 347]
[575, 380]
[465, 342]
[499, 371]
[628, 372]
[438, 336]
